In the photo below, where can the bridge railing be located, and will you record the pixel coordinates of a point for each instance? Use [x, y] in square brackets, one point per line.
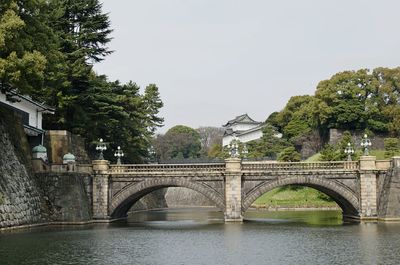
[299, 166]
[383, 164]
[168, 168]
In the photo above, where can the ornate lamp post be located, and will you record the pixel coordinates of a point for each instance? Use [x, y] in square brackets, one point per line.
[152, 153]
[234, 148]
[245, 151]
[365, 143]
[101, 146]
[118, 154]
[349, 151]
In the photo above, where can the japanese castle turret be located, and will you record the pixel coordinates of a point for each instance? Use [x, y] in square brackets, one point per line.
[242, 128]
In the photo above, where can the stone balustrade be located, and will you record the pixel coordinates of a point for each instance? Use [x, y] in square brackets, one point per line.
[299, 166]
[217, 168]
[383, 164]
[156, 169]
[246, 166]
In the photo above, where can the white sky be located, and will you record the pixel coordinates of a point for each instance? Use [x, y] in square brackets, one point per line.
[215, 59]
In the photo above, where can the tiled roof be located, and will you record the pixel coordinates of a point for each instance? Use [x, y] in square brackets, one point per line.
[42, 106]
[244, 118]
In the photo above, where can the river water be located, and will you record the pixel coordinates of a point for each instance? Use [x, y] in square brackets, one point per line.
[199, 236]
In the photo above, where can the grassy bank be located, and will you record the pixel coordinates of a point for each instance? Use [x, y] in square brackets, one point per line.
[294, 197]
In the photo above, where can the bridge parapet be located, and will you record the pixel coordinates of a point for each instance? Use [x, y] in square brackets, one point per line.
[168, 169]
[299, 166]
[383, 164]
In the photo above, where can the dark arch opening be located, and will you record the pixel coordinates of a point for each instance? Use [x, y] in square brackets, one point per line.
[126, 198]
[343, 197]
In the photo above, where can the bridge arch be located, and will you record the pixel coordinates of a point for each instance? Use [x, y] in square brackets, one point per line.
[124, 200]
[342, 195]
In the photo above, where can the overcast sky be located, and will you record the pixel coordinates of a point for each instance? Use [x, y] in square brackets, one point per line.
[215, 59]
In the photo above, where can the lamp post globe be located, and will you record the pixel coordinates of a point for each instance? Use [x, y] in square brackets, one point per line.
[365, 144]
[101, 146]
[349, 151]
[118, 154]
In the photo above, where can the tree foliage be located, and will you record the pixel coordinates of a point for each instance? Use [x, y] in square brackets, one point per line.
[179, 142]
[392, 147]
[289, 154]
[349, 100]
[47, 51]
[337, 152]
[210, 137]
[269, 145]
[22, 37]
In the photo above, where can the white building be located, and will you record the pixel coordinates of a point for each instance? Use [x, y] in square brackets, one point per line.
[244, 128]
[31, 114]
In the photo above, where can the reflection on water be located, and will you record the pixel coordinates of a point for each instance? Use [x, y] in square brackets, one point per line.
[199, 236]
[296, 217]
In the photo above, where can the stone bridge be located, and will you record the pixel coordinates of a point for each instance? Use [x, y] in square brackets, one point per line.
[233, 186]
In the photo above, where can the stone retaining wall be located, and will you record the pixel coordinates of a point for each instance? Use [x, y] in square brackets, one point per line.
[67, 196]
[21, 203]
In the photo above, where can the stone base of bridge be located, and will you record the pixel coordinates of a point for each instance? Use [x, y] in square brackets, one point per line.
[368, 188]
[233, 190]
[101, 182]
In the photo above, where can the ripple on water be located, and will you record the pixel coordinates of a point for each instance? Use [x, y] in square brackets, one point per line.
[201, 237]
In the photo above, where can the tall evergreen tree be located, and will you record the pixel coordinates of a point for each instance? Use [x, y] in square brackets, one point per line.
[22, 36]
[84, 32]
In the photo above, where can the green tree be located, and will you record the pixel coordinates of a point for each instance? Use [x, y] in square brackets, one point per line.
[83, 32]
[336, 152]
[351, 101]
[270, 145]
[388, 97]
[289, 154]
[329, 153]
[392, 147]
[179, 141]
[151, 104]
[299, 116]
[22, 65]
[217, 151]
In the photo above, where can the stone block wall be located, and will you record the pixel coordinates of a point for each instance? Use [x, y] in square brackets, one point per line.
[60, 142]
[183, 197]
[154, 200]
[21, 203]
[389, 197]
[100, 196]
[309, 144]
[67, 196]
[335, 135]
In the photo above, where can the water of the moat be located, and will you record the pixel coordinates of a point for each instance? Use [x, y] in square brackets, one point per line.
[199, 236]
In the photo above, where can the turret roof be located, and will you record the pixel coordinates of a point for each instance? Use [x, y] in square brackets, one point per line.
[244, 118]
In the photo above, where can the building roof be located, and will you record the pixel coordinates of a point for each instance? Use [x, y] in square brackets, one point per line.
[42, 106]
[244, 118]
[32, 131]
[238, 133]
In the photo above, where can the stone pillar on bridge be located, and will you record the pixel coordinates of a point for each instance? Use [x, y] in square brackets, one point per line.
[100, 189]
[368, 188]
[233, 190]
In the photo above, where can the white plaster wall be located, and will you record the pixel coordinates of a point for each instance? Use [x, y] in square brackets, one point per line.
[243, 138]
[251, 136]
[243, 127]
[35, 119]
[226, 140]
